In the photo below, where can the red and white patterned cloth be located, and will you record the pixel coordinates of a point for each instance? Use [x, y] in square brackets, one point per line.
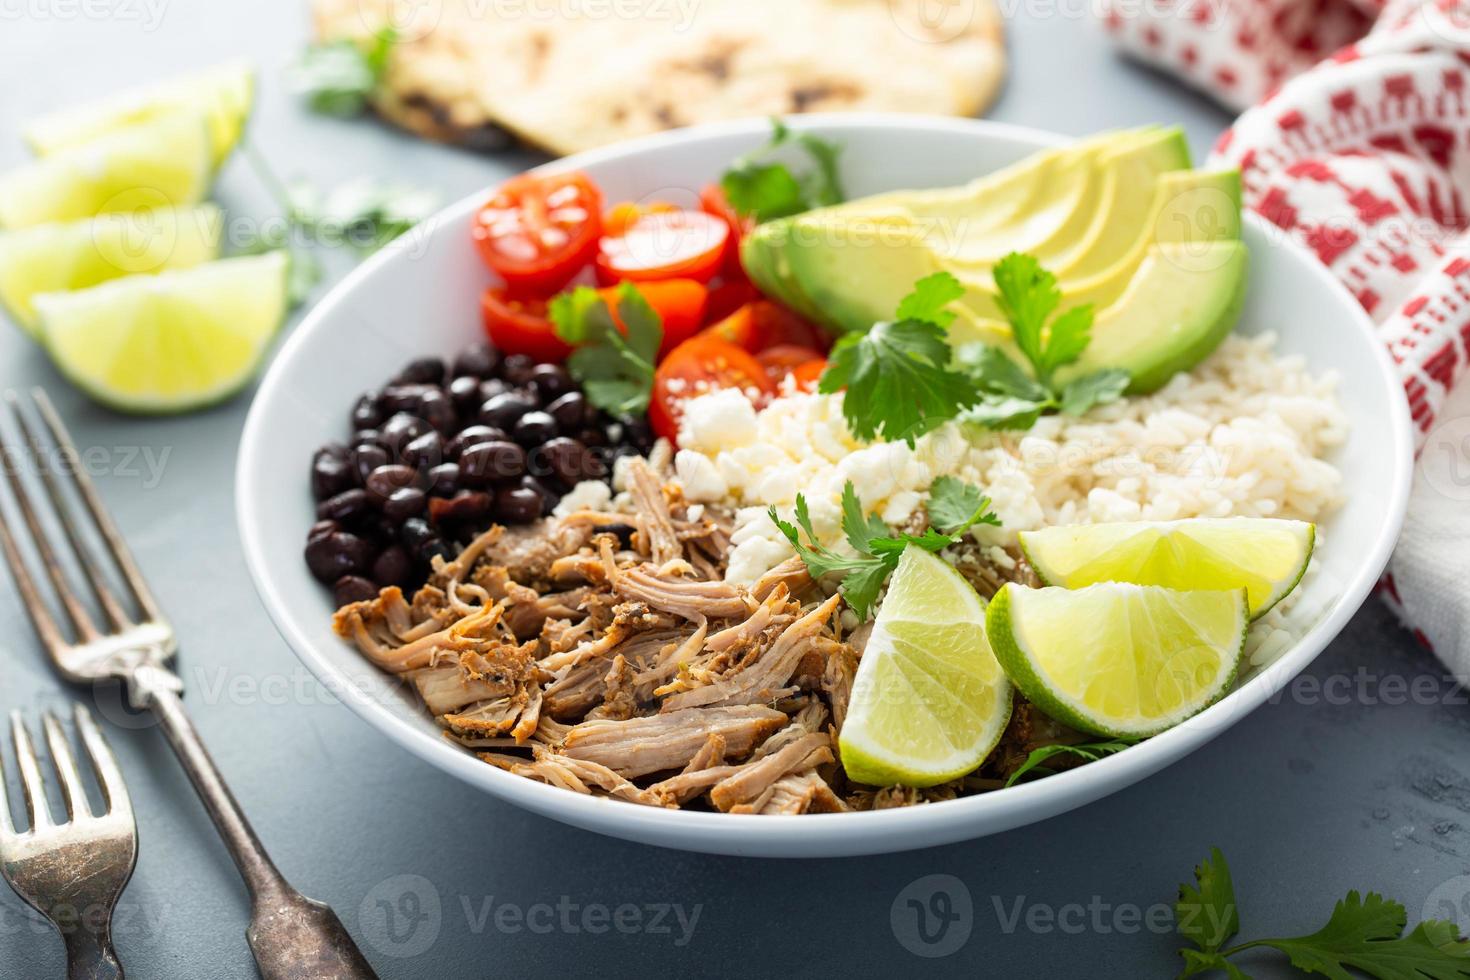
[1357, 143]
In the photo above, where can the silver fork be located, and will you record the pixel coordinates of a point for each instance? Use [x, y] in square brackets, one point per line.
[71, 872]
[291, 936]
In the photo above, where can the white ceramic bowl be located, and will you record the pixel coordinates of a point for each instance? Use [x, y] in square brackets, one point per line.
[421, 297]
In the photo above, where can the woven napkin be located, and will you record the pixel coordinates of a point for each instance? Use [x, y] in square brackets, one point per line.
[1356, 142]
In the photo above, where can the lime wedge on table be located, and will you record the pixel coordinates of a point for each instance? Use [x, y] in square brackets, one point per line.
[160, 164]
[1117, 659]
[223, 94]
[63, 257]
[170, 342]
[930, 700]
[1265, 556]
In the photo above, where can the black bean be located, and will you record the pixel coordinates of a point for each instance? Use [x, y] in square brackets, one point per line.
[571, 462]
[404, 397]
[638, 433]
[465, 507]
[404, 502]
[551, 381]
[393, 566]
[334, 555]
[504, 409]
[548, 498]
[516, 369]
[534, 428]
[594, 437]
[368, 413]
[378, 526]
[366, 437]
[349, 505]
[435, 547]
[331, 472]
[492, 387]
[624, 532]
[400, 430]
[489, 462]
[414, 533]
[444, 480]
[569, 410]
[367, 457]
[517, 505]
[424, 452]
[464, 394]
[322, 529]
[478, 360]
[425, 370]
[472, 436]
[353, 588]
[383, 481]
[436, 409]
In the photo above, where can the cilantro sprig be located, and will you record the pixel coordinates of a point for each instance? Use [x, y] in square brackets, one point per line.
[1011, 398]
[1364, 935]
[338, 77]
[1087, 752]
[759, 187]
[615, 367]
[954, 507]
[898, 376]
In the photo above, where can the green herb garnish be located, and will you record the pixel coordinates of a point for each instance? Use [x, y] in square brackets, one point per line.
[338, 77]
[897, 375]
[1014, 399]
[1364, 936]
[766, 189]
[1088, 752]
[615, 367]
[954, 506]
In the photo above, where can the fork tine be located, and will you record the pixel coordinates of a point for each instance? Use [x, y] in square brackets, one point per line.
[30, 596]
[81, 621]
[109, 776]
[34, 786]
[73, 794]
[108, 529]
[7, 823]
[114, 610]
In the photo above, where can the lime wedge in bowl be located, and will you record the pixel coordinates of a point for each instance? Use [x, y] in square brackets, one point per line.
[165, 163]
[1115, 659]
[63, 257]
[223, 95]
[169, 342]
[1265, 556]
[929, 701]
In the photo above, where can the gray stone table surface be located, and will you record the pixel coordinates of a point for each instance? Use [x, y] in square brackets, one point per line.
[1343, 782]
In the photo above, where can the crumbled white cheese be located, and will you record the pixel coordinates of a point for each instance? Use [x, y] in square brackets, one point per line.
[587, 495]
[722, 419]
[700, 477]
[755, 556]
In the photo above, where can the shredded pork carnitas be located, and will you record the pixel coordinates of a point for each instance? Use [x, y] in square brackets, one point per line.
[604, 653]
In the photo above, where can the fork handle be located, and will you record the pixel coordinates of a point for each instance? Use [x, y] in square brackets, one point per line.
[89, 955]
[291, 936]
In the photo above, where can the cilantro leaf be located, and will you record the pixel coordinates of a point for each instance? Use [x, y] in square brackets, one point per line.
[614, 366]
[766, 189]
[859, 528]
[997, 374]
[1028, 295]
[338, 77]
[1205, 913]
[1093, 389]
[897, 375]
[999, 412]
[1090, 752]
[955, 506]
[929, 298]
[863, 576]
[1067, 338]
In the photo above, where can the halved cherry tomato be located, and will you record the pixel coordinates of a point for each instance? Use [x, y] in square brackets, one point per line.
[784, 359]
[664, 245]
[807, 375]
[679, 303]
[728, 296]
[761, 324]
[698, 365]
[618, 218]
[714, 202]
[520, 326]
[537, 232]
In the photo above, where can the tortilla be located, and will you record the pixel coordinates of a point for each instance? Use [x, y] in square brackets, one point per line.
[567, 75]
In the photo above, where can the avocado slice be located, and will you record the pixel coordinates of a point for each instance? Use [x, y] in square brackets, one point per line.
[1177, 308]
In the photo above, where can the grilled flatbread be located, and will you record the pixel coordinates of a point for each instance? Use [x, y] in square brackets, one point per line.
[567, 75]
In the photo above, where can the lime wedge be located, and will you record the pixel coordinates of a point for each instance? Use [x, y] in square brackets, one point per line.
[61, 258]
[222, 94]
[1116, 659]
[1265, 556]
[165, 163]
[170, 342]
[929, 701]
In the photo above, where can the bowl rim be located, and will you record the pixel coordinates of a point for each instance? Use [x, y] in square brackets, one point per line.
[875, 831]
